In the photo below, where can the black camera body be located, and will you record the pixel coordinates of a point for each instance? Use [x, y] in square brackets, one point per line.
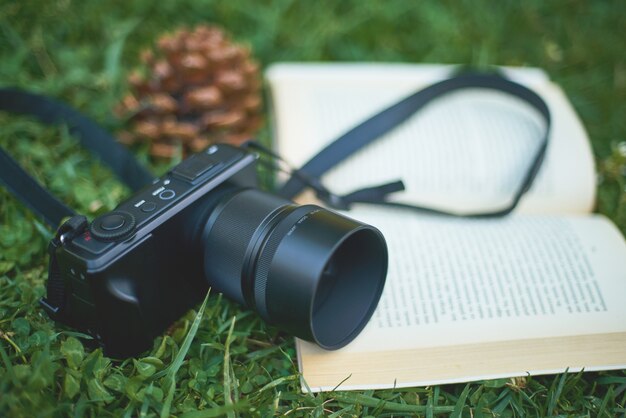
[133, 271]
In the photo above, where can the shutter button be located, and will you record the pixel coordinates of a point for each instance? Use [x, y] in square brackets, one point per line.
[113, 226]
[112, 222]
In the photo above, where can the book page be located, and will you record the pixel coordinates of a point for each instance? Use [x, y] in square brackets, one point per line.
[462, 278]
[463, 283]
[464, 152]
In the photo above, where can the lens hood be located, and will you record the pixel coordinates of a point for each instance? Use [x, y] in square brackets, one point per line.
[326, 277]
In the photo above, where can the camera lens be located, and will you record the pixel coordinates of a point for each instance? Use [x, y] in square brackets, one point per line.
[315, 273]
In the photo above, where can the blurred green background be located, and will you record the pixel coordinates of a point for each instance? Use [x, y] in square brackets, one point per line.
[82, 52]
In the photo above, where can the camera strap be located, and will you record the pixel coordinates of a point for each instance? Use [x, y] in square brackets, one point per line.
[381, 123]
[128, 170]
[99, 143]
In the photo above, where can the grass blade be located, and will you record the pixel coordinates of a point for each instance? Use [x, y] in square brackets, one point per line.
[228, 400]
[277, 382]
[460, 404]
[555, 394]
[355, 398]
[172, 369]
[429, 406]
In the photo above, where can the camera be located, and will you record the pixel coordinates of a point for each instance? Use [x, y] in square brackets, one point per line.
[126, 276]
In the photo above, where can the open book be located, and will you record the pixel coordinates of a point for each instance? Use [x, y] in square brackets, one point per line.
[539, 291]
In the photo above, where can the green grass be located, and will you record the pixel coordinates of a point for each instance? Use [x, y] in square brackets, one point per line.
[221, 360]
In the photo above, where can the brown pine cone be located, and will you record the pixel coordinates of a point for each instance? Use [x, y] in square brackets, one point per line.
[196, 88]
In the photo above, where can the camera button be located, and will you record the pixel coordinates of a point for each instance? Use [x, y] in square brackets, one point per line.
[148, 207]
[167, 194]
[194, 167]
[113, 226]
[112, 222]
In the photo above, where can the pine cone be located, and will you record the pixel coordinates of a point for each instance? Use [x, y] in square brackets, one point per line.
[197, 88]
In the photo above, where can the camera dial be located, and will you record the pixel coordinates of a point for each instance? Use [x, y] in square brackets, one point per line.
[113, 226]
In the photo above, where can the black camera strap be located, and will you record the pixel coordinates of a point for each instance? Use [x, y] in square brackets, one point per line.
[100, 143]
[388, 119]
[126, 167]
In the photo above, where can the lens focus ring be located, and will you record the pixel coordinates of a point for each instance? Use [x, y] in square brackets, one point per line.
[228, 236]
[267, 250]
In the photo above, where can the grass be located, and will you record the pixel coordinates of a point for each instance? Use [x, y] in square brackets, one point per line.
[221, 360]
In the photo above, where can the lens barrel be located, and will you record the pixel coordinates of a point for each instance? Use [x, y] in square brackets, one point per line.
[313, 272]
